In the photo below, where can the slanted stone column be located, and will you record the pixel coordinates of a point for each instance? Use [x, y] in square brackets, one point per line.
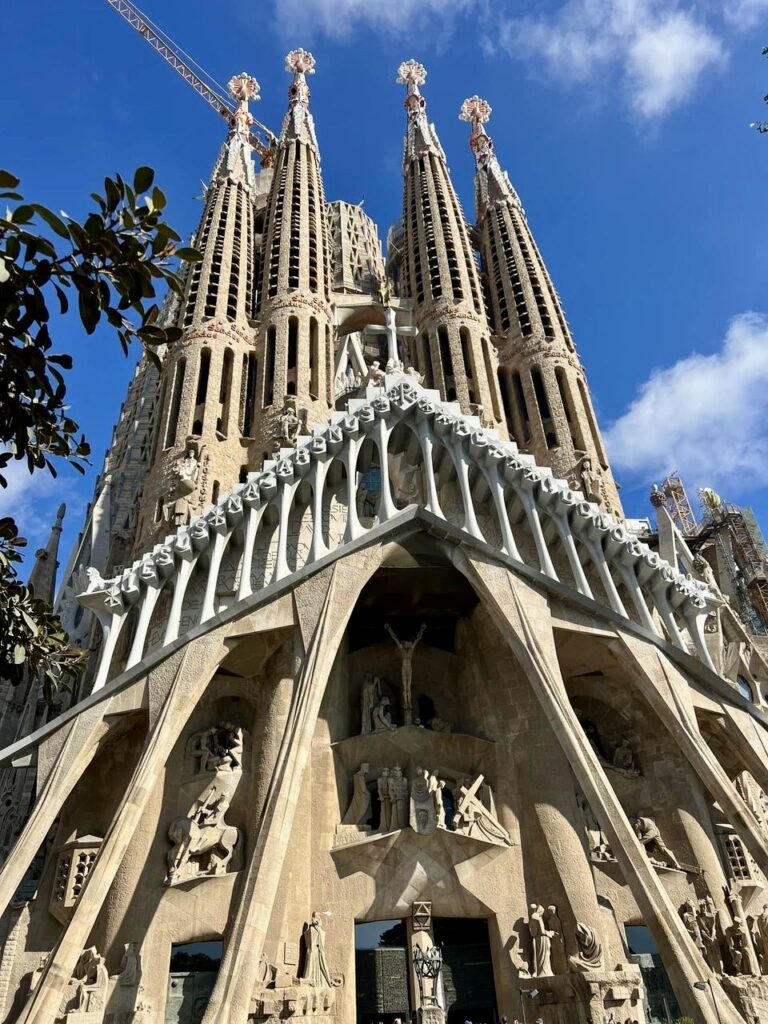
[193, 669]
[332, 596]
[522, 614]
[667, 692]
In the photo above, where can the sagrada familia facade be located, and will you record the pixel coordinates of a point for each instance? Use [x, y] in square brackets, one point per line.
[390, 713]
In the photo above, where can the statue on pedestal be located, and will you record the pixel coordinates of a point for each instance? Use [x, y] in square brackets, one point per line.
[398, 794]
[381, 717]
[541, 943]
[359, 810]
[370, 695]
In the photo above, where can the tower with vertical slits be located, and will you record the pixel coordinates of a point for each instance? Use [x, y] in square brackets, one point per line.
[546, 399]
[439, 274]
[294, 355]
[204, 389]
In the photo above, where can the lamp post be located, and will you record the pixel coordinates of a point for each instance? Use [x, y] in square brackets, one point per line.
[531, 994]
[702, 987]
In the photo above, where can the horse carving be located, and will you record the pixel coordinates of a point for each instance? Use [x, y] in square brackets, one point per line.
[203, 837]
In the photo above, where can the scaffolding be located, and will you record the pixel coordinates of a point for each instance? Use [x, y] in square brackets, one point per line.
[673, 497]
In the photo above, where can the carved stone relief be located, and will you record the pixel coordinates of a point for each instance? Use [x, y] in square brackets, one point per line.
[202, 841]
[73, 865]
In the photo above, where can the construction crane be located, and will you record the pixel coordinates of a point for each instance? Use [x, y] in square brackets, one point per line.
[214, 94]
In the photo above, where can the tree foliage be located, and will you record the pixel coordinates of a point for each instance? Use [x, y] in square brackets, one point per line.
[106, 268]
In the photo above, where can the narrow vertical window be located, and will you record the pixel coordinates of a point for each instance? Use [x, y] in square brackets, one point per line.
[517, 387]
[225, 392]
[203, 374]
[314, 359]
[293, 341]
[269, 366]
[592, 425]
[251, 367]
[545, 412]
[173, 418]
[215, 491]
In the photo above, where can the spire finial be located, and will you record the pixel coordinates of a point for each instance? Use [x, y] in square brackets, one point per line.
[412, 74]
[300, 63]
[243, 88]
[477, 111]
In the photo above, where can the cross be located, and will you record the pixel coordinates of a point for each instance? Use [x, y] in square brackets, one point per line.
[391, 330]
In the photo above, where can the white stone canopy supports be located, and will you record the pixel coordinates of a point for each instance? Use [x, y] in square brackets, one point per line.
[194, 668]
[666, 691]
[469, 453]
[526, 624]
[230, 1000]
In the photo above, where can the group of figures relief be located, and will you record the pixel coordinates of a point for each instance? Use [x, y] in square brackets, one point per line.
[738, 946]
[203, 843]
[548, 945]
[425, 801]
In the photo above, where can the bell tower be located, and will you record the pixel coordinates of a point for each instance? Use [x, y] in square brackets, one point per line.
[439, 274]
[295, 349]
[544, 389]
[200, 418]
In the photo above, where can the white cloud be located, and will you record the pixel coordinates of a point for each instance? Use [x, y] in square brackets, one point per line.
[32, 500]
[658, 50]
[744, 14]
[340, 17]
[704, 416]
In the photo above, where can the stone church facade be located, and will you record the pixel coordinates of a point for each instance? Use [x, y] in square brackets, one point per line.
[390, 713]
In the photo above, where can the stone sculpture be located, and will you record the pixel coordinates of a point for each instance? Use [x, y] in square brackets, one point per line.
[289, 423]
[762, 930]
[423, 814]
[398, 794]
[203, 843]
[591, 481]
[315, 970]
[624, 760]
[649, 835]
[708, 929]
[130, 965]
[381, 717]
[406, 649]
[472, 817]
[590, 955]
[541, 943]
[90, 981]
[219, 749]
[691, 922]
[555, 925]
[739, 938]
[359, 810]
[180, 509]
[599, 848]
[370, 695]
[385, 802]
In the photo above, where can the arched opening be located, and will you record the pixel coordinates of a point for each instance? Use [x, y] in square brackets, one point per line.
[314, 359]
[269, 366]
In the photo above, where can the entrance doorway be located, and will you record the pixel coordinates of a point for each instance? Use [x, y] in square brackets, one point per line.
[382, 971]
[660, 998]
[192, 975]
[469, 990]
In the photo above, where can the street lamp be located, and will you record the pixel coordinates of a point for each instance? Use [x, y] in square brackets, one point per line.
[702, 987]
[531, 994]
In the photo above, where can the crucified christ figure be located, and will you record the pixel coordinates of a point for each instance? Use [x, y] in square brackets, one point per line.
[406, 648]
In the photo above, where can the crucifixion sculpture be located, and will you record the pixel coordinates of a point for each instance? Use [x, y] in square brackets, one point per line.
[406, 648]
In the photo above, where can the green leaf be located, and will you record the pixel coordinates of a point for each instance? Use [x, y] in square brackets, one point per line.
[189, 255]
[55, 223]
[8, 180]
[143, 178]
[19, 654]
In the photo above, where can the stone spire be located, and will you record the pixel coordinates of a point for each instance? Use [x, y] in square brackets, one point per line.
[295, 347]
[544, 389]
[439, 272]
[204, 386]
[42, 578]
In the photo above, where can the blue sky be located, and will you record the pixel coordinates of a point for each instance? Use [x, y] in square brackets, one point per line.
[622, 123]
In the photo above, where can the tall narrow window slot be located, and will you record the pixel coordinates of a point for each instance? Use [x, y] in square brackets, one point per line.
[173, 418]
[269, 366]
